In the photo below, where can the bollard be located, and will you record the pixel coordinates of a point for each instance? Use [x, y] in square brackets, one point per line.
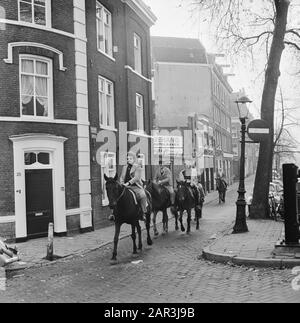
[50, 242]
[290, 179]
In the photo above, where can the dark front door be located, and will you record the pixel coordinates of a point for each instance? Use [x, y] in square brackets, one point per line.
[39, 202]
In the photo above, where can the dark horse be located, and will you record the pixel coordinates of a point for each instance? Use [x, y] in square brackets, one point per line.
[160, 202]
[221, 188]
[126, 210]
[185, 201]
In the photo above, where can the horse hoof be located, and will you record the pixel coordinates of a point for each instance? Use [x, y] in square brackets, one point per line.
[156, 234]
[149, 242]
[177, 228]
[113, 262]
[140, 247]
[135, 255]
[182, 229]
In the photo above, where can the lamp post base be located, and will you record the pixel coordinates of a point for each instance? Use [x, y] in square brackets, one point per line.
[240, 224]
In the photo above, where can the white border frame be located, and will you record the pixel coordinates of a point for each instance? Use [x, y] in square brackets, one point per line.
[50, 86]
[48, 15]
[54, 145]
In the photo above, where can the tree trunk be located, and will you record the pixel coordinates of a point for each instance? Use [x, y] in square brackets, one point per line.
[259, 209]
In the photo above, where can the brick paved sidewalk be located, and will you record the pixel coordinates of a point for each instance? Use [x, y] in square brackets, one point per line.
[254, 248]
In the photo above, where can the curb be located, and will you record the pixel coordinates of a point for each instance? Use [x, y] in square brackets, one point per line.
[249, 262]
[44, 263]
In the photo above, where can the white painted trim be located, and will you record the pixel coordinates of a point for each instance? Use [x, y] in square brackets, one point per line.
[139, 134]
[108, 128]
[48, 13]
[106, 55]
[54, 121]
[143, 11]
[43, 28]
[136, 73]
[55, 145]
[73, 212]
[85, 198]
[9, 59]
[50, 84]
[183, 64]
[7, 219]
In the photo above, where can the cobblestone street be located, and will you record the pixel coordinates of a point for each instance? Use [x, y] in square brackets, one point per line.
[172, 270]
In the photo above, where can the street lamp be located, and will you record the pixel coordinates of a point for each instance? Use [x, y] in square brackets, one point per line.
[240, 223]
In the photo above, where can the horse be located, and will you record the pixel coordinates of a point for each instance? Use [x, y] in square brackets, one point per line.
[221, 188]
[161, 201]
[126, 210]
[185, 201]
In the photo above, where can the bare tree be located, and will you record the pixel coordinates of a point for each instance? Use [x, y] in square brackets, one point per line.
[246, 24]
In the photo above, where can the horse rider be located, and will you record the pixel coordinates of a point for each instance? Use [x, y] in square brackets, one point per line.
[189, 175]
[131, 177]
[163, 177]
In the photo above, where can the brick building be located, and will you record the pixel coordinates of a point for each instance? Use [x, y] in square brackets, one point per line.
[192, 91]
[56, 60]
[119, 86]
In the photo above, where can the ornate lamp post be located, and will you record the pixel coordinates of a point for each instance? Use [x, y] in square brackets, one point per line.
[240, 223]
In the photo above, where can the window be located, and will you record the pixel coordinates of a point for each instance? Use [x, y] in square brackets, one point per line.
[36, 12]
[104, 30]
[108, 168]
[234, 132]
[36, 86]
[140, 112]
[137, 54]
[37, 159]
[106, 103]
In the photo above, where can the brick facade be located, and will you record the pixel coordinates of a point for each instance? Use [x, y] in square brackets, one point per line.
[64, 101]
[125, 22]
[61, 36]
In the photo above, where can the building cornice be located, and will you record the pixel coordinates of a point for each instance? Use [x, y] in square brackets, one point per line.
[140, 8]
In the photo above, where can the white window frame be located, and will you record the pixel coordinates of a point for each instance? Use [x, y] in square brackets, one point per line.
[105, 170]
[38, 165]
[48, 14]
[100, 20]
[137, 42]
[139, 108]
[50, 86]
[102, 105]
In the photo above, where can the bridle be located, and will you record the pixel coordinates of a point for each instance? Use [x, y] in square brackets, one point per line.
[122, 194]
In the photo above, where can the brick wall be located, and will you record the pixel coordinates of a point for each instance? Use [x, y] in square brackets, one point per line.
[62, 17]
[8, 129]
[63, 82]
[126, 84]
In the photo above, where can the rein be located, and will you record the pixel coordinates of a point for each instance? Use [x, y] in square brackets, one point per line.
[122, 194]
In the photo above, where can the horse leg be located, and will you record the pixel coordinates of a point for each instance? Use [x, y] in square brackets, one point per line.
[198, 216]
[133, 236]
[165, 221]
[116, 240]
[148, 220]
[180, 220]
[189, 217]
[154, 224]
[139, 230]
[176, 218]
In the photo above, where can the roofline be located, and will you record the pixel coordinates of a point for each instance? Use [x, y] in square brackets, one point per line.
[139, 7]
